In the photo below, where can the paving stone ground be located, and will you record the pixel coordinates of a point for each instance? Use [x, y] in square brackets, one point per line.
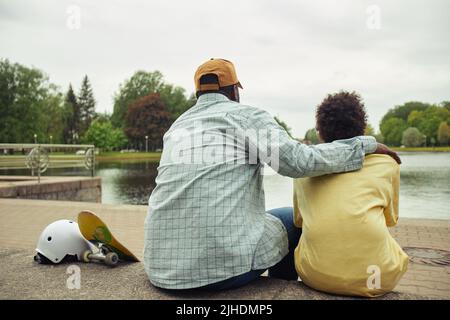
[21, 222]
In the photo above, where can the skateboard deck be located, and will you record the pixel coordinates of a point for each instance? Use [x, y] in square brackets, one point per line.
[96, 231]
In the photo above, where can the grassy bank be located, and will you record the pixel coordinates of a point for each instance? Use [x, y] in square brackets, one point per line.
[111, 156]
[423, 149]
[18, 160]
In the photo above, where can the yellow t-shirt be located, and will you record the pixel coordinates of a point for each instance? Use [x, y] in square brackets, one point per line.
[345, 247]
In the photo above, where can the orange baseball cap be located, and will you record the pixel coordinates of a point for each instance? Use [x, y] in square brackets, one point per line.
[223, 69]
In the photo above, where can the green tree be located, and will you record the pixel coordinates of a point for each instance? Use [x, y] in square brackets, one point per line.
[415, 118]
[29, 104]
[175, 100]
[87, 104]
[445, 104]
[404, 110]
[143, 83]
[412, 137]
[147, 116]
[423, 116]
[443, 134]
[429, 120]
[104, 136]
[311, 136]
[72, 117]
[432, 142]
[369, 131]
[102, 117]
[392, 131]
[284, 126]
[52, 117]
[379, 137]
[393, 135]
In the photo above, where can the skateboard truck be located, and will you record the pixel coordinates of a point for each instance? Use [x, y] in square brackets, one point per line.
[103, 254]
[103, 246]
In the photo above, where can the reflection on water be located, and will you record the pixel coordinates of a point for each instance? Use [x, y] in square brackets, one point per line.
[424, 192]
[127, 182]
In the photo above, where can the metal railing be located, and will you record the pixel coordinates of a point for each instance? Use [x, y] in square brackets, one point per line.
[38, 157]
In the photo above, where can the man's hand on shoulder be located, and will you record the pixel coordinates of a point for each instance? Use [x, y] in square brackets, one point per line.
[383, 149]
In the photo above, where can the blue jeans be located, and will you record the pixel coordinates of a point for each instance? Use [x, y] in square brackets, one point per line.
[285, 269]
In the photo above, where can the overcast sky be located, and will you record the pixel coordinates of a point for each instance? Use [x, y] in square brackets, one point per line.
[288, 54]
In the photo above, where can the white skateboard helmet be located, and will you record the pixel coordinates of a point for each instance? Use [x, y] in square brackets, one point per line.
[59, 240]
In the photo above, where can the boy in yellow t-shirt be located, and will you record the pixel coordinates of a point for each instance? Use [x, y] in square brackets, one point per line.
[345, 247]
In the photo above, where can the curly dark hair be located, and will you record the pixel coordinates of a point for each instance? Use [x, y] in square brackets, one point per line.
[341, 116]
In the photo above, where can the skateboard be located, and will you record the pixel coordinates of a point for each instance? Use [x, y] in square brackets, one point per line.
[106, 249]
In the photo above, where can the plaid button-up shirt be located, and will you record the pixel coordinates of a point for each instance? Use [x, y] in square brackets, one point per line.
[206, 219]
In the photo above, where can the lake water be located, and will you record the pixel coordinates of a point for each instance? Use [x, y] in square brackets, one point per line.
[424, 191]
[424, 186]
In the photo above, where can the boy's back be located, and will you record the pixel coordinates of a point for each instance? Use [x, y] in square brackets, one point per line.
[345, 238]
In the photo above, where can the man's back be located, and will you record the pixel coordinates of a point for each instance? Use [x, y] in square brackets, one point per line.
[207, 215]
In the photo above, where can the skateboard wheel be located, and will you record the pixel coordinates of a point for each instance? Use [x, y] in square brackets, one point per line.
[86, 255]
[111, 258]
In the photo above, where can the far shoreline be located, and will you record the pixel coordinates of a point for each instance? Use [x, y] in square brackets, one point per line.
[111, 156]
[155, 156]
[421, 149]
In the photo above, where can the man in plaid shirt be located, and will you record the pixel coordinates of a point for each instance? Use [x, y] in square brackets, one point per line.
[207, 226]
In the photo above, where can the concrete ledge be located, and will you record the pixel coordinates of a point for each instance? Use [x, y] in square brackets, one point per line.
[52, 188]
[22, 278]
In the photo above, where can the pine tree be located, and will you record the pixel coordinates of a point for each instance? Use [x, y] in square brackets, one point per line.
[72, 117]
[87, 104]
